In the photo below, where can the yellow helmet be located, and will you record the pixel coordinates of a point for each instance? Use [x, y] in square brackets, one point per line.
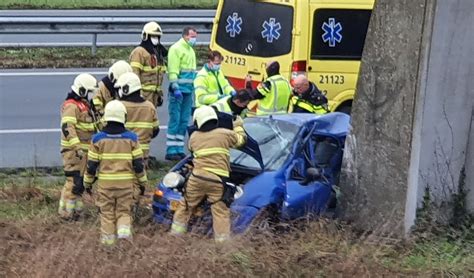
[115, 111]
[204, 114]
[128, 83]
[117, 69]
[151, 29]
[83, 84]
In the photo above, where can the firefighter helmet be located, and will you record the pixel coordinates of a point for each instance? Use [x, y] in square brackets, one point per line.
[151, 29]
[204, 114]
[115, 111]
[117, 69]
[127, 84]
[84, 84]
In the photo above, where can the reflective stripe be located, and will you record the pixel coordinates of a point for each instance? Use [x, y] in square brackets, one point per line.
[221, 238]
[143, 179]
[124, 231]
[88, 179]
[170, 136]
[219, 172]
[93, 155]
[107, 239]
[136, 65]
[79, 205]
[145, 146]
[71, 142]
[137, 152]
[179, 137]
[113, 156]
[84, 146]
[150, 69]
[68, 119]
[70, 205]
[211, 151]
[156, 124]
[118, 176]
[185, 81]
[85, 126]
[150, 88]
[187, 71]
[139, 125]
[178, 228]
[200, 88]
[97, 102]
[174, 143]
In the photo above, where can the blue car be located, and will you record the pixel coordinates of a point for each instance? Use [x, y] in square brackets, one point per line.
[287, 168]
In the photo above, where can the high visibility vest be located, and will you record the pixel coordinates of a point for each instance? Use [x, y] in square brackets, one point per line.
[276, 99]
[182, 65]
[223, 105]
[308, 106]
[210, 86]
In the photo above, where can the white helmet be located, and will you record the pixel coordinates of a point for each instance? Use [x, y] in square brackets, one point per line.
[84, 84]
[117, 69]
[204, 114]
[128, 83]
[115, 111]
[151, 29]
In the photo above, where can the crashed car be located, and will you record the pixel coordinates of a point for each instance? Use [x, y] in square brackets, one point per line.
[287, 168]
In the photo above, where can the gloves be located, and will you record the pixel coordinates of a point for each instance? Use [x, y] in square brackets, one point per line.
[142, 189]
[238, 122]
[78, 189]
[233, 93]
[79, 153]
[159, 101]
[178, 94]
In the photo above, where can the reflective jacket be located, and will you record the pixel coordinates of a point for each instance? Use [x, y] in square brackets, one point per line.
[105, 93]
[116, 160]
[211, 149]
[276, 96]
[210, 86]
[142, 120]
[77, 125]
[148, 67]
[224, 105]
[182, 65]
[311, 101]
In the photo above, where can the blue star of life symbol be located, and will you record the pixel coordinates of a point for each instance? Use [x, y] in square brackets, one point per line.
[233, 25]
[332, 32]
[271, 30]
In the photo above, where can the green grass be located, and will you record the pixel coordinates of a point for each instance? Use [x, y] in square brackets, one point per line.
[106, 4]
[71, 57]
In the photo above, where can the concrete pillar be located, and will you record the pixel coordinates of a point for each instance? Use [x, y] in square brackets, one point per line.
[412, 112]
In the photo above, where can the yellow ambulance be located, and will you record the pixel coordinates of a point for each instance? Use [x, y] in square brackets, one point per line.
[323, 39]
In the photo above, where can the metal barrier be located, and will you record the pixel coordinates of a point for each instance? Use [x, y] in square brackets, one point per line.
[95, 25]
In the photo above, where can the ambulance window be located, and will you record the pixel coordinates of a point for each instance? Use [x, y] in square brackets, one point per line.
[339, 34]
[255, 28]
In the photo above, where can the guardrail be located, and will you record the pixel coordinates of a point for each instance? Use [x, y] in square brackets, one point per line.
[95, 25]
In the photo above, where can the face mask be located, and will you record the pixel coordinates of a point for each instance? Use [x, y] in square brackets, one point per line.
[155, 40]
[215, 67]
[192, 41]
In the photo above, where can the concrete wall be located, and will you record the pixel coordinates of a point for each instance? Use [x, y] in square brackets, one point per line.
[409, 116]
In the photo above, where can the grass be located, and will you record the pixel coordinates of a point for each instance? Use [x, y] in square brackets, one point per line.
[71, 57]
[32, 233]
[107, 4]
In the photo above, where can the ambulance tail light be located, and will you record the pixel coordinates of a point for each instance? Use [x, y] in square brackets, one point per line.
[297, 68]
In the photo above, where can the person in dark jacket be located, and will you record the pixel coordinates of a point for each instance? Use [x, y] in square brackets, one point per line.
[307, 97]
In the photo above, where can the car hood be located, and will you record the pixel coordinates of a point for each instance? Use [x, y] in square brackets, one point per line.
[251, 146]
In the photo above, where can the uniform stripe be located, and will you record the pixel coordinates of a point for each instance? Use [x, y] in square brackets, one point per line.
[68, 119]
[139, 125]
[211, 151]
[71, 142]
[137, 152]
[145, 146]
[217, 171]
[174, 143]
[85, 126]
[143, 179]
[117, 176]
[136, 65]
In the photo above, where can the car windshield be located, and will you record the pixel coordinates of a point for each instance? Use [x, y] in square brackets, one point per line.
[274, 139]
[254, 28]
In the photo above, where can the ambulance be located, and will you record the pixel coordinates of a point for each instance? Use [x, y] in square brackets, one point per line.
[322, 39]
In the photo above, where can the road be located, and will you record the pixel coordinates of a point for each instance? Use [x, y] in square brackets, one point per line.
[30, 101]
[108, 39]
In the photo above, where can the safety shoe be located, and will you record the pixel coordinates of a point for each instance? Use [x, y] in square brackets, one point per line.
[173, 157]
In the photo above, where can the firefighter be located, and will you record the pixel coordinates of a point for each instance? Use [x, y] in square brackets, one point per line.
[77, 128]
[210, 84]
[141, 114]
[107, 91]
[274, 93]
[210, 147]
[116, 159]
[181, 73]
[235, 104]
[307, 97]
[148, 62]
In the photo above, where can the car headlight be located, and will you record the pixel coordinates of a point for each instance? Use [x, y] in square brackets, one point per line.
[172, 180]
